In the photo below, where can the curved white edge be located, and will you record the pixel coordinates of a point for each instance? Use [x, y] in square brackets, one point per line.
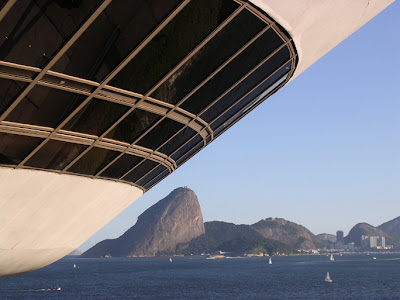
[317, 26]
[45, 215]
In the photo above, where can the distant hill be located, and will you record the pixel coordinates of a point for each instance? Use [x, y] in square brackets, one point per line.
[366, 229]
[331, 238]
[236, 239]
[75, 252]
[174, 225]
[290, 233]
[393, 228]
[175, 219]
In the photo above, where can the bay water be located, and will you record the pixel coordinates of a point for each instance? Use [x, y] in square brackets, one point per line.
[357, 276]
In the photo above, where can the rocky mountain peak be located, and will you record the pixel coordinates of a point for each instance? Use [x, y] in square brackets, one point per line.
[175, 219]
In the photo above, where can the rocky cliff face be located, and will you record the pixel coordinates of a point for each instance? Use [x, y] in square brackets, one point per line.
[175, 219]
[288, 232]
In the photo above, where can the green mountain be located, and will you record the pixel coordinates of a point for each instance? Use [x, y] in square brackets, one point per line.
[235, 239]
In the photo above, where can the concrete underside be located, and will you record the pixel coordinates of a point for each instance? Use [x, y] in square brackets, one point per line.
[45, 215]
[317, 26]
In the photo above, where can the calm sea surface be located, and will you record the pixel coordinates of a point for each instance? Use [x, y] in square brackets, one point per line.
[302, 277]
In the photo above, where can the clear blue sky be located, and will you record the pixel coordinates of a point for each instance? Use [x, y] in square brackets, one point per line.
[323, 152]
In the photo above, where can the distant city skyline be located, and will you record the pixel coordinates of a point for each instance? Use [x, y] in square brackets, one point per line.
[323, 152]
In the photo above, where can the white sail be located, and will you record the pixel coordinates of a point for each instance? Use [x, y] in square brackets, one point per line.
[270, 261]
[170, 259]
[328, 278]
[332, 258]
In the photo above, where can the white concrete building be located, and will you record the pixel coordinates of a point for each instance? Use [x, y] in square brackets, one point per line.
[102, 99]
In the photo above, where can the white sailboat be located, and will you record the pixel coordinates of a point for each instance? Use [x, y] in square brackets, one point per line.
[74, 266]
[170, 259]
[270, 261]
[328, 278]
[332, 258]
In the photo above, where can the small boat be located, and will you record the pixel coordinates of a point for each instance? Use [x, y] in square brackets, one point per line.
[270, 261]
[374, 257]
[328, 278]
[74, 266]
[170, 259]
[332, 258]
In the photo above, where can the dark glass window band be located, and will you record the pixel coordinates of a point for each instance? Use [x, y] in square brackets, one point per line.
[217, 85]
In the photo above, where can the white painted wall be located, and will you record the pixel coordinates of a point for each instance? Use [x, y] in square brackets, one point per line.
[317, 26]
[45, 215]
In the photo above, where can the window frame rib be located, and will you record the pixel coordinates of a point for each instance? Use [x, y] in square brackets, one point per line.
[101, 90]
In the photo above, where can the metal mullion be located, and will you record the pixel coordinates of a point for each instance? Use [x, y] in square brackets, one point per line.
[244, 77]
[64, 88]
[18, 66]
[249, 92]
[6, 8]
[157, 181]
[97, 139]
[237, 53]
[182, 62]
[56, 57]
[255, 105]
[180, 113]
[44, 83]
[49, 72]
[73, 78]
[124, 152]
[233, 105]
[72, 139]
[108, 88]
[167, 141]
[168, 157]
[15, 77]
[192, 154]
[183, 145]
[149, 173]
[109, 77]
[196, 49]
[130, 170]
[113, 100]
[27, 126]
[216, 72]
[24, 131]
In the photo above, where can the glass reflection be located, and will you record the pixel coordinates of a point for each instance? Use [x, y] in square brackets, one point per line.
[197, 20]
[93, 161]
[14, 148]
[45, 107]
[220, 48]
[55, 155]
[32, 31]
[96, 117]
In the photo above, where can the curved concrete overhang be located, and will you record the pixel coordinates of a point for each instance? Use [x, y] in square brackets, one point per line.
[33, 203]
[317, 26]
[44, 215]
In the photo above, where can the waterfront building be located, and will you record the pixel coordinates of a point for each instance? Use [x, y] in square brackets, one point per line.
[373, 241]
[100, 100]
[339, 237]
[383, 242]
